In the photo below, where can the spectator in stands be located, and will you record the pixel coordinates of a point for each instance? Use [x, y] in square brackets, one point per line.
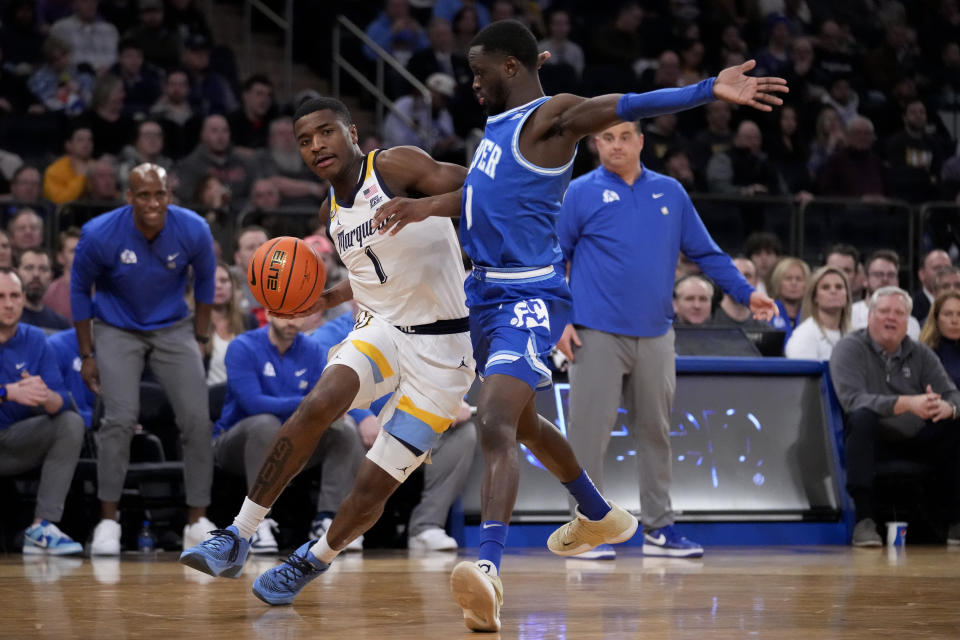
[174, 104]
[248, 124]
[660, 135]
[15, 96]
[562, 49]
[227, 321]
[111, 128]
[214, 202]
[63, 346]
[57, 297]
[25, 189]
[897, 55]
[36, 273]
[717, 138]
[788, 282]
[35, 430]
[246, 243]
[841, 97]
[441, 56]
[941, 332]
[617, 43]
[883, 270]
[666, 74]
[691, 63]
[6, 252]
[20, 37]
[440, 140]
[830, 135]
[160, 45]
[465, 25]
[142, 84]
[676, 164]
[397, 32]
[59, 84]
[774, 59]
[789, 154]
[103, 181]
[93, 40]
[65, 180]
[855, 171]
[450, 9]
[898, 402]
[931, 265]
[146, 148]
[826, 316]
[846, 259]
[914, 157]
[264, 195]
[692, 300]
[269, 371]
[281, 163]
[137, 258]
[744, 169]
[805, 79]
[732, 313]
[209, 91]
[186, 19]
[948, 279]
[25, 228]
[215, 156]
[764, 250]
[835, 51]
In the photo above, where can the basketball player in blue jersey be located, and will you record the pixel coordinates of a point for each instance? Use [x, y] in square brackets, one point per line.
[518, 297]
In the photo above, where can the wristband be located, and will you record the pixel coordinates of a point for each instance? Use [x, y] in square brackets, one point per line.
[635, 106]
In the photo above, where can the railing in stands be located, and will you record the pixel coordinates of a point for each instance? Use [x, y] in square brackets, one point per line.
[285, 23]
[376, 89]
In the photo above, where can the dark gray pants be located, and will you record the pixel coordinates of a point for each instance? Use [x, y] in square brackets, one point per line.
[643, 372]
[444, 478]
[176, 362]
[51, 441]
[244, 447]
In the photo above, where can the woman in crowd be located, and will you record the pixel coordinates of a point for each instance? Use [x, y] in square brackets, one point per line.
[825, 316]
[941, 332]
[787, 285]
[227, 321]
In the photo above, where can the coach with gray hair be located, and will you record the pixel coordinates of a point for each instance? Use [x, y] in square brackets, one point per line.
[898, 403]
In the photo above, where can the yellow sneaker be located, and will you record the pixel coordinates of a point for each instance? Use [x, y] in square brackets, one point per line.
[479, 594]
[582, 534]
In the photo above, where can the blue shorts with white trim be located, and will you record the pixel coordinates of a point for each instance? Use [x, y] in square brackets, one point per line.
[514, 333]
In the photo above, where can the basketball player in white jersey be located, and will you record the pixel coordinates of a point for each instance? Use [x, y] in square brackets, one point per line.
[411, 338]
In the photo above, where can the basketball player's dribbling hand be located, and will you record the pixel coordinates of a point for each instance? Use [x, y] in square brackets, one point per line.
[567, 341]
[398, 213]
[762, 307]
[733, 85]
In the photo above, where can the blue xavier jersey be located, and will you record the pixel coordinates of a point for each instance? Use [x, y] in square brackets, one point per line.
[510, 205]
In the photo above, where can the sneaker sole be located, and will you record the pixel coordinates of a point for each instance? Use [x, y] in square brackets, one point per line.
[654, 550]
[476, 596]
[587, 555]
[66, 551]
[271, 600]
[199, 562]
[579, 550]
[868, 543]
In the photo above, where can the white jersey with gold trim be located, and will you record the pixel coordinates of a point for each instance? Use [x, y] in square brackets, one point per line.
[412, 278]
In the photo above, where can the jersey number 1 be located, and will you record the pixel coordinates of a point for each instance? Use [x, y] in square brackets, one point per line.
[376, 265]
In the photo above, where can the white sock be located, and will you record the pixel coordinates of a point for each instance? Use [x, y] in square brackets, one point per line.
[250, 516]
[322, 551]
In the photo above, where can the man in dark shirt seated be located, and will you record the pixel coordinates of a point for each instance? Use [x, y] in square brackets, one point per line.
[36, 272]
[898, 402]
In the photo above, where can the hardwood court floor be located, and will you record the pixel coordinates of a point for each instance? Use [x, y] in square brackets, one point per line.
[772, 592]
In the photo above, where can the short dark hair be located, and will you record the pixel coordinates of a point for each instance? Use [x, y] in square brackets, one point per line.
[21, 169]
[257, 78]
[884, 254]
[66, 234]
[311, 105]
[128, 43]
[760, 241]
[511, 38]
[843, 250]
[40, 251]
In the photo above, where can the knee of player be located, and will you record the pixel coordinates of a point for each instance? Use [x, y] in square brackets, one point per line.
[496, 433]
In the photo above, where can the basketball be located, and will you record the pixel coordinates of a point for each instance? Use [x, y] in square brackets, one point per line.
[285, 275]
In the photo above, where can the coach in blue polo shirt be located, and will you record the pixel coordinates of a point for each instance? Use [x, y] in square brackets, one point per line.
[269, 371]
[137, 258]
[622, 228]
[35, 430]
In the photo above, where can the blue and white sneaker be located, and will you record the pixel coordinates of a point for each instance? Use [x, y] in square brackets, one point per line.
[599, 552]
[667, 541]
[281, 584]
[46, 539]
[220, 555]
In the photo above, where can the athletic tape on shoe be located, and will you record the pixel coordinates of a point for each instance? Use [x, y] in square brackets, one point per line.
[394, 457]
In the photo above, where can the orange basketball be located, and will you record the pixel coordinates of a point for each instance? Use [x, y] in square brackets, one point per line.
[285, 275]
